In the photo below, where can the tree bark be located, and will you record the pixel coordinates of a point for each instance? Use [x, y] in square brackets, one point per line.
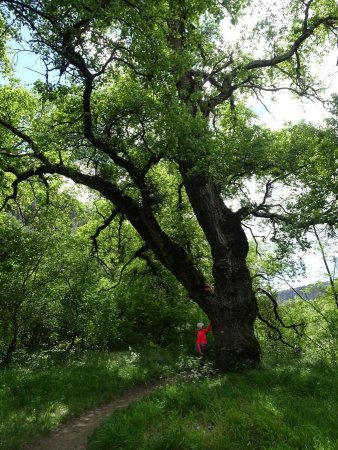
[12, 345]
[233, 309]
[232, 319]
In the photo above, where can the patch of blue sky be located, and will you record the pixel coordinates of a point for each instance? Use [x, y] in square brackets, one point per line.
[28, 67]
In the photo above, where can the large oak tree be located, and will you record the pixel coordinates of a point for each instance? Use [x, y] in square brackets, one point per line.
[149, 94]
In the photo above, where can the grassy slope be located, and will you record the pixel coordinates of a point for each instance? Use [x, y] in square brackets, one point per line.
[43, 393]
[278, 408]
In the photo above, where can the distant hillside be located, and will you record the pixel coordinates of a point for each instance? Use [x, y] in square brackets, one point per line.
[307, 292]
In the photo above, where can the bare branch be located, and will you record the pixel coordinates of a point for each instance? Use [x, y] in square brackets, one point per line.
[262, 209]
[328, 271]
[136, 255]
[253, 237]
[275, 311]
[276, 330]
[102, 227]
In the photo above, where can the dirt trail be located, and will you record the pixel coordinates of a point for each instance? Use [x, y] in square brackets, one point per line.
[74, 434]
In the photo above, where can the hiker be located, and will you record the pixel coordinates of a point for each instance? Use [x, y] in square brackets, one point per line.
[202, 342]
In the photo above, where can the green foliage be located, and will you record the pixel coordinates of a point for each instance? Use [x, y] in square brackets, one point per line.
[137, 110]
[278, 407]
[317, 336]
[37, 270]
[153, 310]
[56, 294]
[5, 34]
[147, 99]
[25, 271]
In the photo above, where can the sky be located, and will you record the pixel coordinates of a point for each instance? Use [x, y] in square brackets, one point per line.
[284, 108]
[28, 67]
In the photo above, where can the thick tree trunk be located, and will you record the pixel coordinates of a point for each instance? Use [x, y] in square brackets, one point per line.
[232, 317]
[233, 309]
[232, 313]
[236, 346]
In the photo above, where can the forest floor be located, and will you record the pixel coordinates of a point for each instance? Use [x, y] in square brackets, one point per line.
[74, 434]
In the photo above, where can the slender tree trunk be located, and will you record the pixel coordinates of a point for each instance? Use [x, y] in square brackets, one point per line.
[72, 341]
[12, 345]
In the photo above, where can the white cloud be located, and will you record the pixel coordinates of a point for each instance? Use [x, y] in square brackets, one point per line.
[244, 37]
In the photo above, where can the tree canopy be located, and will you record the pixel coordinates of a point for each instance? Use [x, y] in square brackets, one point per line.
[148, 111]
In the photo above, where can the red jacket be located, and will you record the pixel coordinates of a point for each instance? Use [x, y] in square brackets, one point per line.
[201, 337]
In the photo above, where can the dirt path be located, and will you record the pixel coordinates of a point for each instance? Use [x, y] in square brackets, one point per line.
[74, 434]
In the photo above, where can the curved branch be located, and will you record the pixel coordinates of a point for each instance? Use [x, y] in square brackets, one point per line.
[19, 178]
[226, 86]
[253, 237]
[26, 138]
[136, 255]
[275, 311]
[102, 227]
[276, 330]
[307, 32]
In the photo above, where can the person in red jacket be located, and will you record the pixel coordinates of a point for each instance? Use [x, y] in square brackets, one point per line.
[201, 344]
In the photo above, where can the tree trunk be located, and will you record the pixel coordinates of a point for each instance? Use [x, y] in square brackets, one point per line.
[232, 317]
[233, 309]
[236, 346]
[72, 341]
[232, 313]
[12, 345]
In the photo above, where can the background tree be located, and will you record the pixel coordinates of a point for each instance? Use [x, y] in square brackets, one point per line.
[27, 272]
[59, 295]
[37, 242]
[142, 102]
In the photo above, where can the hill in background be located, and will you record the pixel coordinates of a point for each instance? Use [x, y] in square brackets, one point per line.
[308, 292]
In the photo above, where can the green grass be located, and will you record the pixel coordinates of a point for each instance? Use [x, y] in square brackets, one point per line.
[43, 392]
[281, 407]
[277, 408]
